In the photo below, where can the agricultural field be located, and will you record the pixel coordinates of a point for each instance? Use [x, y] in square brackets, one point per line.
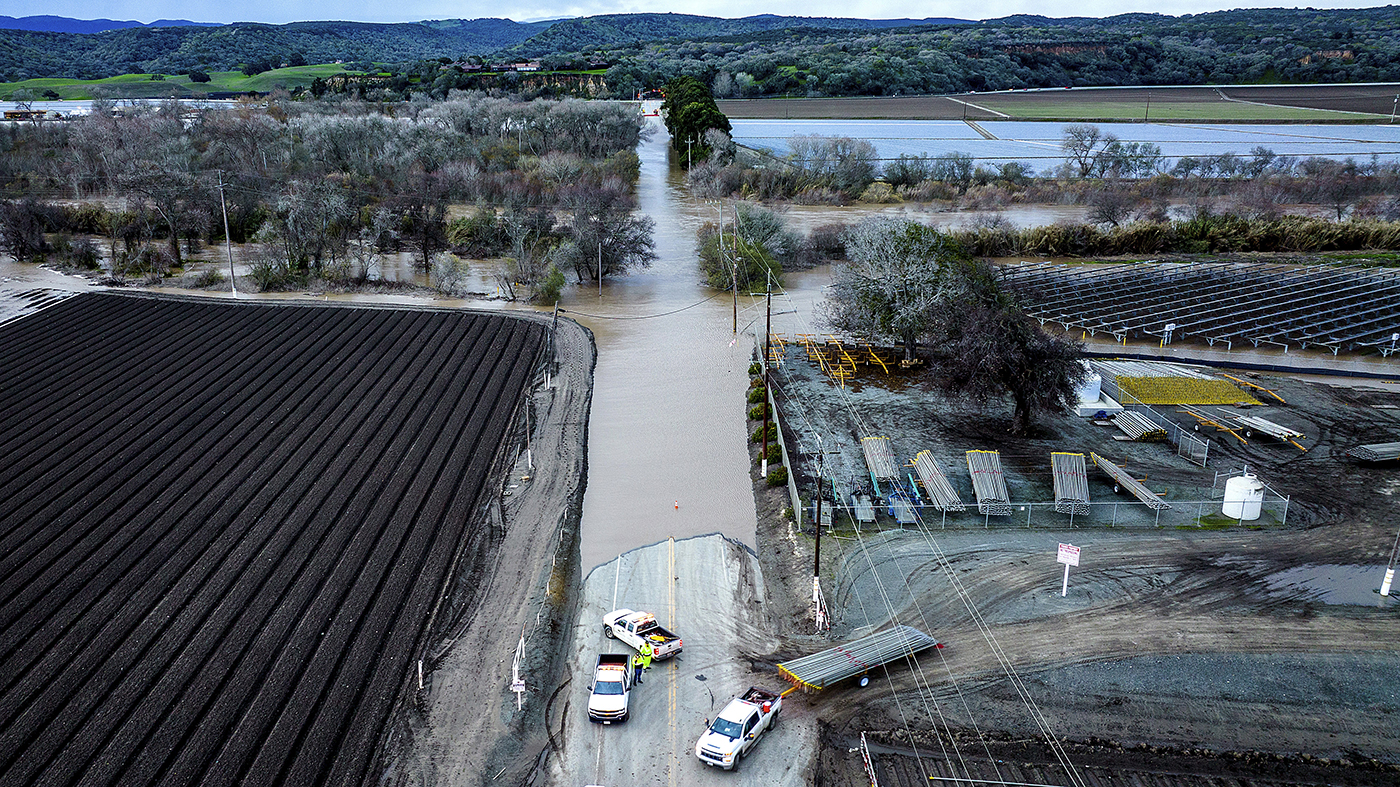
[229, 528]
[177, 85]
[1282, 103]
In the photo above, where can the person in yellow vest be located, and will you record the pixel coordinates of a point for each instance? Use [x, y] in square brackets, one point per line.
[645, 652]
[637, 667]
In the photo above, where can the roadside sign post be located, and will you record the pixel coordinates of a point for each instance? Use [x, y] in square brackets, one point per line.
[1069, 555]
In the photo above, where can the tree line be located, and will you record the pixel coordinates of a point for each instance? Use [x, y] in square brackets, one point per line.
[1228, 47]
[325, 189]
[1120, 181]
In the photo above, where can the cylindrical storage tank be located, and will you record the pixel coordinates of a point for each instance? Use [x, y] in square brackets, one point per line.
[1244, 496]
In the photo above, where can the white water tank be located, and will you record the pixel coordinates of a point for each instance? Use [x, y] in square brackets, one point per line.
[1089, 389]
[1244, 496]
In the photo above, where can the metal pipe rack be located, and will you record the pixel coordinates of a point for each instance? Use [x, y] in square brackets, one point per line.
[879, 457]
[835, 664]
[1376, 452]
[1121, 477]
[1138, 426]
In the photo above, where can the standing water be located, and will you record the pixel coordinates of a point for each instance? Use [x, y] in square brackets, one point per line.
[667, 442]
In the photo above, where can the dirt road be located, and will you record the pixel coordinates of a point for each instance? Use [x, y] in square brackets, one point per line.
[710, 591]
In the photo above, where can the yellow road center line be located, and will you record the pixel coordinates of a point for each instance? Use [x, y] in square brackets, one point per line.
[671, 673]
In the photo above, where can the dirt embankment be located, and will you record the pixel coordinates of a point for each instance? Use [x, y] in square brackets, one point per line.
[466, 729]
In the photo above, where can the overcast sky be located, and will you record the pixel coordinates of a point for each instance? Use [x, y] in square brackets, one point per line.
[416, 10]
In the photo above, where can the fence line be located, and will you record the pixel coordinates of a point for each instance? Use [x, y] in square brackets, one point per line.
[1189, 446]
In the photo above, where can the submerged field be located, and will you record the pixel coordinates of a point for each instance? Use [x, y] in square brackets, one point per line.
[1222, 104]
[228, 528]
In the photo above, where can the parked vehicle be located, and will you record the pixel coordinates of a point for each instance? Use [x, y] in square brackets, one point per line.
[738, 727]
[612, 681]
[634, 628]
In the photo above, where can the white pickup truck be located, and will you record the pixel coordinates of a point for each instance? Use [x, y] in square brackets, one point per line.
[612, 680]
[633, 628]
[738, 727]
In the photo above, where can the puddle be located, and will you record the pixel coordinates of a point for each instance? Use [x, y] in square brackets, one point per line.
[1332, 584]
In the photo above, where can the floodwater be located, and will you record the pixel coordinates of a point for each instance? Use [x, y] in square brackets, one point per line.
[667, 448]
[1038, 143]
[1349, 585]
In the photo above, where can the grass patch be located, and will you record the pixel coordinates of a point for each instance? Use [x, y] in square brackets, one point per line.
[177, 85]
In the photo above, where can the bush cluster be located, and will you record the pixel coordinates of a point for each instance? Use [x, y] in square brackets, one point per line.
[1205, 234]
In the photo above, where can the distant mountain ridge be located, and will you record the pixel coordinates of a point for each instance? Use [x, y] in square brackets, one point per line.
[63, 24]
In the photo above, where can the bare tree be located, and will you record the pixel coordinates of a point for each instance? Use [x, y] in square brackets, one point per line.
[893, 286]
[605, 238]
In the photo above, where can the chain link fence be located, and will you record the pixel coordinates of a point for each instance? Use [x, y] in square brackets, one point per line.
[1189, 446]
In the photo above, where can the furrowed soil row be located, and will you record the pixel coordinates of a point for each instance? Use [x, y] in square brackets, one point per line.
[129, 607]
[177, 733]
[364, 663]
[343, 603]
[85, 455]
[305, 446]
[145, 487]
[226, 570]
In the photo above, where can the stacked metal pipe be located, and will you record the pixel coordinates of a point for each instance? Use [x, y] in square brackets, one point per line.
[879, 457]
[835, 664]
[1071, 483]
[1376, 452]
[1121, 477]
[1138, 426]
[989, 483]
[940, 491]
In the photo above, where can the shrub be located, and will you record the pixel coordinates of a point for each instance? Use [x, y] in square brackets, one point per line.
[757, 395]
[207, 278]
[879, 193]
[777, 476]
[757, 412]
[755, 368]
[757, 436]
[547, 291]
[775, 452]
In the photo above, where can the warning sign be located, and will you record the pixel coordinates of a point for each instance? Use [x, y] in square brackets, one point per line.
[1069, 555]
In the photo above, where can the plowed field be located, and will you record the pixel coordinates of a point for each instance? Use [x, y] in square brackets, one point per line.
[226, 527]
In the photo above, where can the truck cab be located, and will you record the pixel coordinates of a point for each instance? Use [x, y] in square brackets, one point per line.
[612, 682]
[737, 728]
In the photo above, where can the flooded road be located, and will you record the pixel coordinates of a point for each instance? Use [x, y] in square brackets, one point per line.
[667, 450]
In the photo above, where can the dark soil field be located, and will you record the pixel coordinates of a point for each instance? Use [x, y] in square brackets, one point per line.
[228, 529]
[1376, 99]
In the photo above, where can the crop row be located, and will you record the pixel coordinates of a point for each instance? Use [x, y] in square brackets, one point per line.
[226, 526]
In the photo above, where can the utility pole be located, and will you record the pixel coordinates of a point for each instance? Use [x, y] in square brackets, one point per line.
[1392, 107]
[1148, 108]
[767, 334]
[228, 240]
[600, 268]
